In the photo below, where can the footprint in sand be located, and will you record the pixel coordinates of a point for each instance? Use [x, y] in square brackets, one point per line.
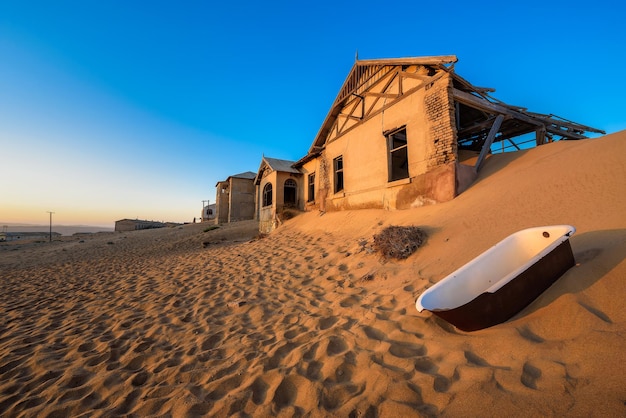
[530, 375]
[212, 341]
[475, 360]
[527, 334]
[604, 317]
[406, 350]
[285, 394]
[328, 322]
[314, 370]
[336, 345]
[441, 384]
[374, 334]
[259, 390]
[425, 365]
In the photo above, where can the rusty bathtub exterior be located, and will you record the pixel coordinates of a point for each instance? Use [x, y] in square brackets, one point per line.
[503, 280]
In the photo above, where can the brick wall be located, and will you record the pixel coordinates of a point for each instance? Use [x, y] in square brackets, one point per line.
[440, 115]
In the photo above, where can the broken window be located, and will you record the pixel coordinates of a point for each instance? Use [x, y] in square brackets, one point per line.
[338, 170]
[290, 194]
[311, 197]
[267, 195]
[398, 155]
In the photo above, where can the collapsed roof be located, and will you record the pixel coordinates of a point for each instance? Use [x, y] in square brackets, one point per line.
[481, 119]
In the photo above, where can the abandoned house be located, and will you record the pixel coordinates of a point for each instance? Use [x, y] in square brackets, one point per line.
[208, 213]
[279, 187]
[124, 225]
[235, 198]
[406, 132]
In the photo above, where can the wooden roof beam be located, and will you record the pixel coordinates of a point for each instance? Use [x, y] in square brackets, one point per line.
[383, 95]
[431, 60]
[484, 104]
[557, 120]
[415, 76]
[487, 145]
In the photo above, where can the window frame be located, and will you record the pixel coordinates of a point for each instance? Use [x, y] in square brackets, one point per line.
[268, 195]
[395, 172]
[338, 177]
[292, 185]
[311, 187]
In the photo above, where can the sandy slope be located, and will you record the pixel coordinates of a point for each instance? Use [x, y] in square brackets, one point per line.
[180, 322]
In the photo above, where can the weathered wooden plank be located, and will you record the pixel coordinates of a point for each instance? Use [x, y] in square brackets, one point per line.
[384, 95]
[492, 135]
[566, 134]
[352, 117]
[540, 136]
[431, 60]
[415, 76]
[480, 103]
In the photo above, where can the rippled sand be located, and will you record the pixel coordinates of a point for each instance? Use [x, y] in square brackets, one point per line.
[308, 322]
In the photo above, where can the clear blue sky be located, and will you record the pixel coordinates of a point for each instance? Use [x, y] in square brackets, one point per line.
[116, 109]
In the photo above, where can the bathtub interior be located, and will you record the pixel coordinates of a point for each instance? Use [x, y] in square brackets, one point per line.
[494, 268]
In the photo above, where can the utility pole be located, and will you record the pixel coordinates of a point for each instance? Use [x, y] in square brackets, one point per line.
[50, 225]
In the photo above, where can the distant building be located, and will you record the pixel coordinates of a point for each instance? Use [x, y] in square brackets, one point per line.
[14, 236]
[136, 224]
[208, 213]
[235, 198]
[279, 187]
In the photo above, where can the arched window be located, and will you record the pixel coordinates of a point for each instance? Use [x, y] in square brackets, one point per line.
[291, 189]
[267, 194]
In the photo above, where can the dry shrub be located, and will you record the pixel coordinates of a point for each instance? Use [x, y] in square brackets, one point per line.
[398, 242]
[289, 214]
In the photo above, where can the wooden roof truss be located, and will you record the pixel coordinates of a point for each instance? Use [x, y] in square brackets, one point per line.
[483, 120]
[371, 87]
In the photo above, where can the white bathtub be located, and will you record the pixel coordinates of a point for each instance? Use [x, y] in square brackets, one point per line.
[503, 280]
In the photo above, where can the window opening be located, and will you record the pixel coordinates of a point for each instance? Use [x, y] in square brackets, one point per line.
[267, 194]
[290, 195]
[338, 170]
[311, 197]
[398, 155]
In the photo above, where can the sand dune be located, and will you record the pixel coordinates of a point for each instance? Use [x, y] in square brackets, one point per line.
[308, 322]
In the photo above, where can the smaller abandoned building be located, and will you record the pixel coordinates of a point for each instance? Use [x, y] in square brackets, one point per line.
[279, 188]
[235, 198]
[124, 225]
[208, 213]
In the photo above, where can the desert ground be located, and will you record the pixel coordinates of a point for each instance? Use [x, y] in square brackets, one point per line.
[310, 321]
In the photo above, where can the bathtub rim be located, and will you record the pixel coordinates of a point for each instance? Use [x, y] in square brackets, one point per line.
[569, 230]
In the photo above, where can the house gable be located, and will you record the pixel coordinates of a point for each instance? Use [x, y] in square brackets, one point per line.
[372, 86]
